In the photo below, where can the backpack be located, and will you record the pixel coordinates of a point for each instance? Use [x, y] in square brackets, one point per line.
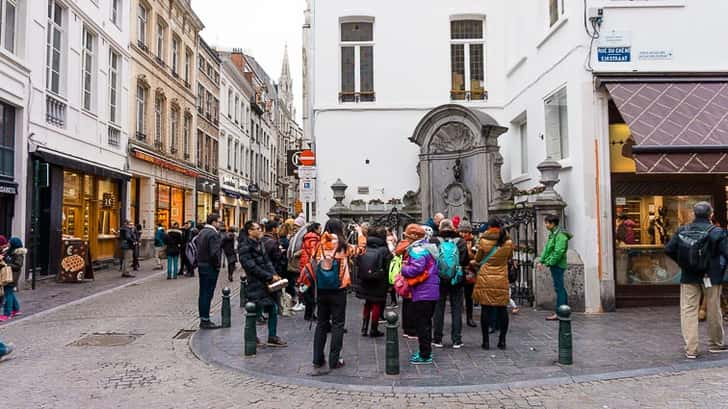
[327, 279]
[395, 266]
[293, 254]
[693, 249]
[448, 261]
[191, 251]
[371, 265]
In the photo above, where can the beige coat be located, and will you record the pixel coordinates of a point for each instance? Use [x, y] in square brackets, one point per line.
[491, 287]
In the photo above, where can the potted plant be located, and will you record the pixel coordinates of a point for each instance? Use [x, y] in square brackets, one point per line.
[376, 204]
[358, 204]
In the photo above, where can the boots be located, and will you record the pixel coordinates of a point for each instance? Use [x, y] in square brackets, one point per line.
[502, 341]
[469, 321]
[374, 333]
[364, 327]
[486, 337]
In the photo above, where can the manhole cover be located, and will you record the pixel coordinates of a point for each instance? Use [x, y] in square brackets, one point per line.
[105, 340]
[184, 334]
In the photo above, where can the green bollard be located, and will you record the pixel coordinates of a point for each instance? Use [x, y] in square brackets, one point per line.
[565, 346]
[243, 290]
[392, 345]
[249, 334]
[225, 310]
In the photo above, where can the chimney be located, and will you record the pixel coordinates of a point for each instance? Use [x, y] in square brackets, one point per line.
[238, 58]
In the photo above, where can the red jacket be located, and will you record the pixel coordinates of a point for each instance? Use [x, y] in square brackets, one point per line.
[308, 250]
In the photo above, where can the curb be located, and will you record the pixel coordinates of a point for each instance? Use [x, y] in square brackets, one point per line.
[675, 368]
[40, 314]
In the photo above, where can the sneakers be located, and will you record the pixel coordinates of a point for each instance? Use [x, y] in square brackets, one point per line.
[437, 344]
[718, 350]
[416, 359]
[15, 314]
[408, 336]
[298, 307]
[207, 324]
[9, 348]
[457, 345]
[276, 342]
[4, 318]
[689, 355]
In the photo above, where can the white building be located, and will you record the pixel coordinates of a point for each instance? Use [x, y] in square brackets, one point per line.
[78, 113]
[14, 90]
[376, 79]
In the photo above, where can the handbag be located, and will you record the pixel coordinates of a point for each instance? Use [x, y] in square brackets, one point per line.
[6, 275]
[277, 285]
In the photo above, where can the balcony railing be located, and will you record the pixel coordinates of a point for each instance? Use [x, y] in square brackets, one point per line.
[187, 156]
[160, 61]
[114, 136]
[55, 111]
[159, 145]
[460, 95]
[173, 150]
[142, 46]
[141, 136]
[187, 84]
[357, 97]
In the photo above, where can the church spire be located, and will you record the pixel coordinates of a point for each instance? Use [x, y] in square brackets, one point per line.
[286, 83]
[285, 70]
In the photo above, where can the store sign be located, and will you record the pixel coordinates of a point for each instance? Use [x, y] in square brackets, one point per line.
[107, 201]
[8, 188]
[253, 188]
[615, 47]
[164, 164]
[230, 181]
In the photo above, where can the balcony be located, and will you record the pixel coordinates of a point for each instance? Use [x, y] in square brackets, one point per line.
[173, 150]
[461, 95]
[159, 145]
[174, 74]
[142, 46]
[187, 84]
[114, 136]
[357, 97]
[55, 111]
[186, 156]
[141, 136]
[160, 61]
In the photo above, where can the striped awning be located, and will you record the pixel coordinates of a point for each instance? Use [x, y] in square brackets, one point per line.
[677, 127]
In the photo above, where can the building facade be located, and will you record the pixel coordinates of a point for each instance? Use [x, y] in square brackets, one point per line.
[14, 91]
[162, 149]
[208, 129]
[627, 113]
[79, 126]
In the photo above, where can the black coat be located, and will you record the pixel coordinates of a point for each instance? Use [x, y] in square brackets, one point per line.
[374, 289]
[272, 247]
[719, 245]
[173, 239]
[258, 270]
[127, 237]
[228, 245]
[208, 248]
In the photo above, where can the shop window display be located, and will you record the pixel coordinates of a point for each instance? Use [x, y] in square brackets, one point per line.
[170, 205]
[643, 226]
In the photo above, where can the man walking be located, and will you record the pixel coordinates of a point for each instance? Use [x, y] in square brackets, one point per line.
[700, 249]
[208, 262]
[554, 257]
[259, 272]
[127, 237]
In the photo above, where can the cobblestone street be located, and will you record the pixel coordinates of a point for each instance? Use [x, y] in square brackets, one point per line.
[158, 371]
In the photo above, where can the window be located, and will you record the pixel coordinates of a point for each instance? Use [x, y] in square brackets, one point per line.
[8, 10]
[142, 14]
[175, 55]
[7, 140]
[556, 10]
[160, 41]
[158, 118]
[187, 131]
[54, 46]
[188, 65]
[229, 152]
[202, 64]
[116, 12]
[230, 103]
[87, 58]
[357, 62]
[467, 64]
[200, 143]
[557, 126]
[114, 76]
[237, 112]
[208, 105]
[235, 166]
[523, 135]
[200, 98]
[141, 105]
[173, 123]
[242, 159]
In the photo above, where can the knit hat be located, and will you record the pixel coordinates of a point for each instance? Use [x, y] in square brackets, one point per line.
[3, 241]
[456, 222]
[446, 224]
[465, 227]
[414, 232]
[300, 221]
[16, 243]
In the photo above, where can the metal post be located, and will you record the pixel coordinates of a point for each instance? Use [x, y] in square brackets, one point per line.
[225, 310]
[35, 220]
[249, 335]
[392, 345]
[243, 290]
[308, 212]
[565, 346]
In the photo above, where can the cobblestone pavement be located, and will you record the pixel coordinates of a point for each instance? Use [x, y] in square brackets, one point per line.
[158, 371]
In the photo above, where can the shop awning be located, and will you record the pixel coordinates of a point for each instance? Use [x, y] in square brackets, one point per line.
[73, 162]
[677, 127]
[230, 193]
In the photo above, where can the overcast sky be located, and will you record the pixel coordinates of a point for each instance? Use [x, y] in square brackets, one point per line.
[262, 28]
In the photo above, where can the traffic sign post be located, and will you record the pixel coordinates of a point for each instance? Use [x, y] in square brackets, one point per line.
[307, 172]
[307, 194]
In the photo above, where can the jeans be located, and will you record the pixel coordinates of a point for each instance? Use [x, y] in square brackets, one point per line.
[557, 274]
[11, 300]
[455, 293]
[208, 281]
[331, 315]
[501, 321]
[272, 311]
[409, 325]
[172, 266]
[422, 315]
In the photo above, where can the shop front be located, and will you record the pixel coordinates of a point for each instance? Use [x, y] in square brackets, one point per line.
[208, 198]
[81, 208]
[668, 144]
[8, 192]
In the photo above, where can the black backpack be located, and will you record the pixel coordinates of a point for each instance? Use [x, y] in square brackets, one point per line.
[371, 265]
[693, 249]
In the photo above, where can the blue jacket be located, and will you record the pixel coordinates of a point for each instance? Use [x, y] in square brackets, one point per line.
[159, 237]
[719, 253]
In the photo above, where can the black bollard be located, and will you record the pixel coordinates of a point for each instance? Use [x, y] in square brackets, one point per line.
[249, 335]
[243, 290]
[225, 310]
[565, 345]
[392, 346]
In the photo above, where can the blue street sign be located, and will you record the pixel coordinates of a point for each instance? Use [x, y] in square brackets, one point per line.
[614, 54]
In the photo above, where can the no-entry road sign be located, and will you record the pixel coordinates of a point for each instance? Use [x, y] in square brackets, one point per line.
[307, 158]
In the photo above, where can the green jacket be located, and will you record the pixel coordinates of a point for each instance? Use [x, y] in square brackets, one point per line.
[554, 252]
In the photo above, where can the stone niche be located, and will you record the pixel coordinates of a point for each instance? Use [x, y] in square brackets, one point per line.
[459, 166]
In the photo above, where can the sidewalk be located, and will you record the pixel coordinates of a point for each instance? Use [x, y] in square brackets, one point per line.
[50, 293]
[631, 342]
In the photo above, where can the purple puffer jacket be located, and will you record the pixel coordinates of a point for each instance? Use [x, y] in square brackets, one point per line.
[420, 257]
